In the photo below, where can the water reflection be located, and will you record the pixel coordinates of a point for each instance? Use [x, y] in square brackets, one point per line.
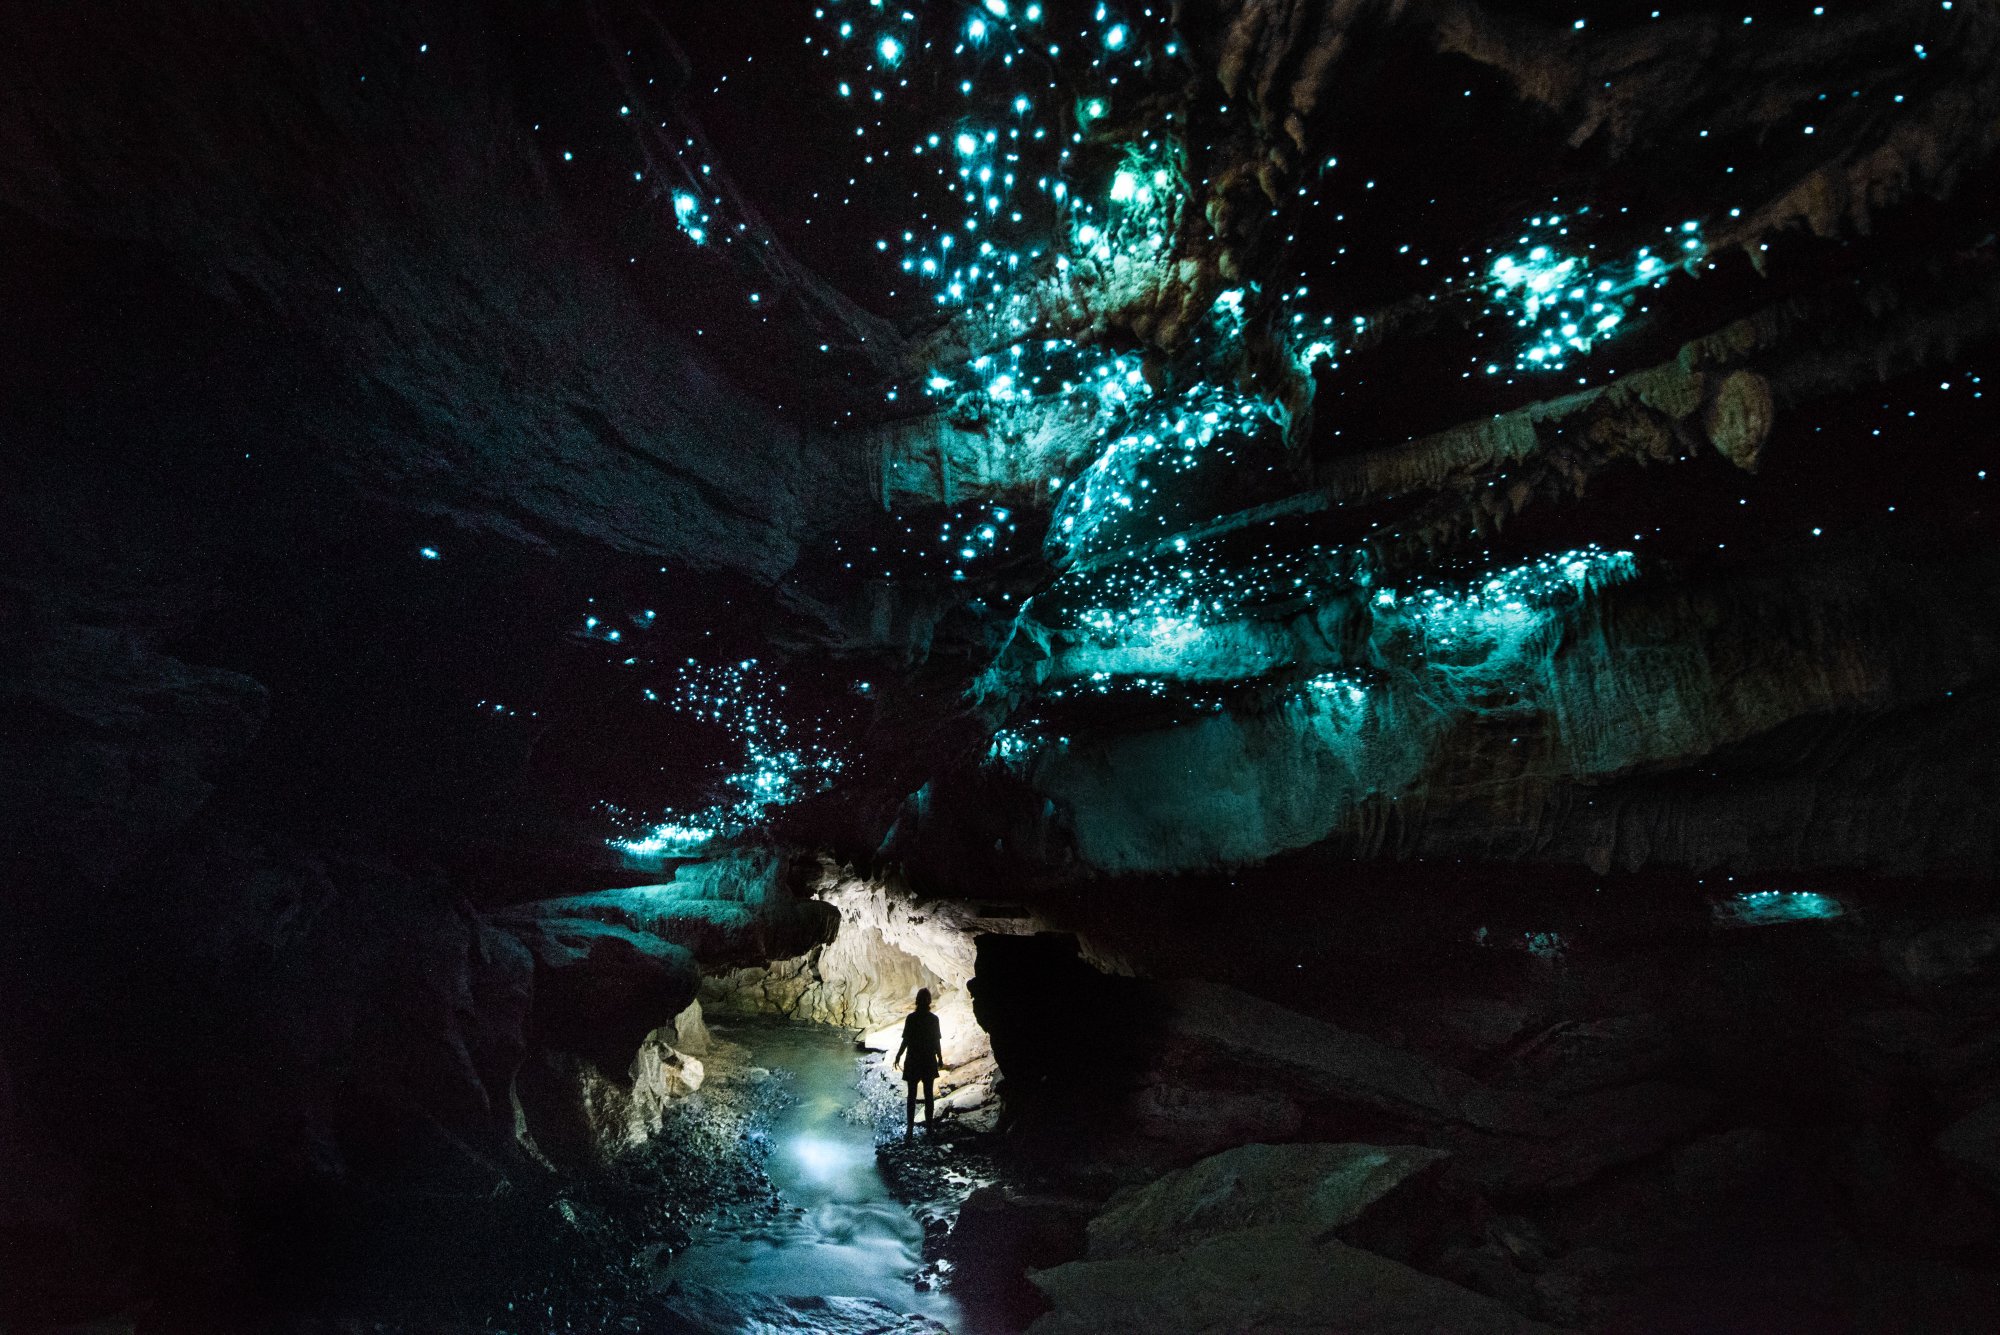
[833, 1228]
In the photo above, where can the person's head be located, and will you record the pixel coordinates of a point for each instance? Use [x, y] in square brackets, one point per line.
[923, 998]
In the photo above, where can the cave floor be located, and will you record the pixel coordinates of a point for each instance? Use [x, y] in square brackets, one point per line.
[832, 1226]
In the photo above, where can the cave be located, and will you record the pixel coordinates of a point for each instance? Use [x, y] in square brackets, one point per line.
[1391, 606]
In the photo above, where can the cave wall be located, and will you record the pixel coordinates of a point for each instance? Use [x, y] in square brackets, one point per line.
[889, 943]
[1817, 716]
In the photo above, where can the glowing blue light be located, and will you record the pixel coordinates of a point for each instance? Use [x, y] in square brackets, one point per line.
[429, 553]
[668, 840]
[968, 144]
[1584, 307]
[688, 216]
[1756, 908]
[891, 50]
[1115, 37]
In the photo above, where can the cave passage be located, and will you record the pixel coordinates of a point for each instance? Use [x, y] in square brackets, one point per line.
[832, 1228]
[1393, 604]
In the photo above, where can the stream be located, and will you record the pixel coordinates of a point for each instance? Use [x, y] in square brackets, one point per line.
[836, 1231]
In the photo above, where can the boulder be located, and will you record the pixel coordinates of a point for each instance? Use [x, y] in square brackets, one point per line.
[1000, 1233]
[1275, 1278]
[1533, 1144]
[1212, 1030]
[1200, 1121]
[1318, 1187]
[576, 1113]
[1577, 1056]
[691, 1034]
[600, 989]
[1219, 1039]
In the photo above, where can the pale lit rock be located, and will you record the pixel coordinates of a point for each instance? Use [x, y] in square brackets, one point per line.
[888, 945]
[1270, 1279]
[1322, 1186]
[1738, 419]
[661, 1073]
[690, 1032]
[607, 1117]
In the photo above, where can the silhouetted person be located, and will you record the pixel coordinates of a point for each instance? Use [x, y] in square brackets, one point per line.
[926, 1048]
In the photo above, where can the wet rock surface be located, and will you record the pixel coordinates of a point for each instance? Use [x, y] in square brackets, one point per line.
[1323, 1187]
[1271, 1278]
[1689, 1125]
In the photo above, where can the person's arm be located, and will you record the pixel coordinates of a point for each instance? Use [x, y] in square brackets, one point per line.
[901, 1048]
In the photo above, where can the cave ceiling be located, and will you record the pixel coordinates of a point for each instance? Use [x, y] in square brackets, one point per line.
[1036, 440]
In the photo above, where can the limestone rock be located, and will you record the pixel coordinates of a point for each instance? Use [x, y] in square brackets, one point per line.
[1197, 1067]
[572, 1110]
[600, 989]
[1001, 1232]
[888, 944]
[691, 1034]
[1210, 1025]
[1271, 1279]
[737, 910]
[1318, 1186]
[110, 746]
[1738, 419]
[1577, 1056]
[1203, 1120]
[660, 1072]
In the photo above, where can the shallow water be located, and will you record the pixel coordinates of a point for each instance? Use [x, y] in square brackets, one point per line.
[836, 1230]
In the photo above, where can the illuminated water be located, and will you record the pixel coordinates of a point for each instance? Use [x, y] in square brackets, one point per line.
[837, 1231]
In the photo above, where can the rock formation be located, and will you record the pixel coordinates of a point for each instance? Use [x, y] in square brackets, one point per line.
[1325, 573]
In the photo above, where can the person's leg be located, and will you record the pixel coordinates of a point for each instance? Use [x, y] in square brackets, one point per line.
[910, 1111]
[929, 1086]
